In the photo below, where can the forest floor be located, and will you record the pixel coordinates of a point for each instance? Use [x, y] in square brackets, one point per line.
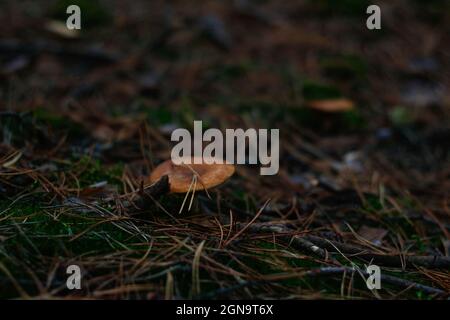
[85, 117]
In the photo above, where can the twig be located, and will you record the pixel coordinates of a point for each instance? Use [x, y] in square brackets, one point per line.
[384, 278]
[438, 262]
[298, 241]
[248, 225]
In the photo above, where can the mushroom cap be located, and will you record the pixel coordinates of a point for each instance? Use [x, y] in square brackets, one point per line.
[180, 176]
[331, 105]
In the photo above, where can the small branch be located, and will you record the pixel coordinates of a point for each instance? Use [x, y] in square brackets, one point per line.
[249, 225]
[436, 262]
[320, 247]
[297, 241]
[384, 278]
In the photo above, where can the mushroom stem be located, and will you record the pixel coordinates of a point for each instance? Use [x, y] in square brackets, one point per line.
[156, 190]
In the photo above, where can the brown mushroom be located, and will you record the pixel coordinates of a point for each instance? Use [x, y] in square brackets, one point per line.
[191, 177]
[331, 105]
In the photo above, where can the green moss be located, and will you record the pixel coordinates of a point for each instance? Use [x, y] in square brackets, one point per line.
[314, 90]
[344, 67]
[159, 116]
[353, 120]
[92, 171]
[44, 117]
[50, 235]
[373, 203]
[401, 116]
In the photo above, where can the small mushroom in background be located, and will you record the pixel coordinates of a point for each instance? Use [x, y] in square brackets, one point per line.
[186, 178]
[331, 105]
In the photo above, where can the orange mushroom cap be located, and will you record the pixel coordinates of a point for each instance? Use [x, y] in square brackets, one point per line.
[331, 105]
[181, 176]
